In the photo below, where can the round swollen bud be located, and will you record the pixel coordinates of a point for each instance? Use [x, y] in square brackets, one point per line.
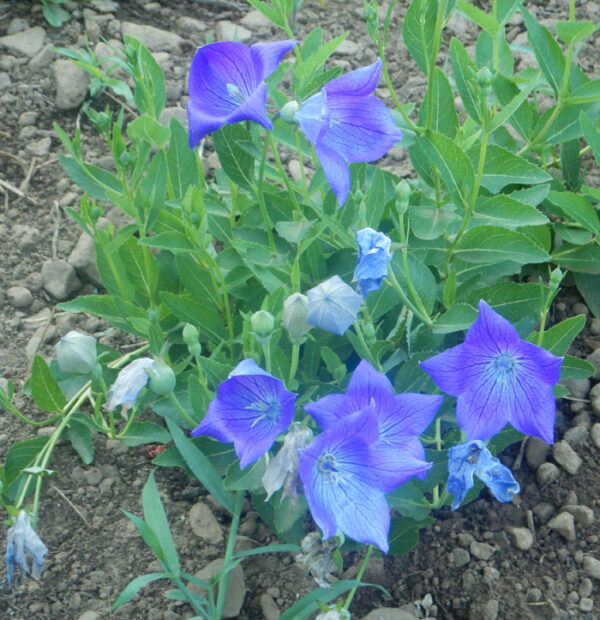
[484, 77]
[556, 277]
[295, 313]
[402, 191]
[191, 336]
[288, 112]
[162, 378]
[263, 324]
[76, 353]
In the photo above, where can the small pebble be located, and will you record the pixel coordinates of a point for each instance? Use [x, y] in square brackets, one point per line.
[564, 524]
[576, 435]
[566, 457]
[595, 399]
[591, 566]
[585, 587]
[586, 604]
[459, 557]
[547, 473]
[580, 308]
[521, 538]
[595, 434]
[595, 327]
[481, 551]
[544, 511]
[19, 296]
[536, 452]
[584, 515]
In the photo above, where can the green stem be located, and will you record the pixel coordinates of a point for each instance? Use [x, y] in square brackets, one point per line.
[301, 161]
[229, 554]
[361, 571]
[266, 349]
[8, 405]
[366, 351]
[261, 196]
[393, 281]
[431, 62]
[294, 364]
[182, 412]
[282, 173]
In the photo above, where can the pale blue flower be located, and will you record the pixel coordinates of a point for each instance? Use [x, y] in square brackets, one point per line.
[333, 305]
[23, 545]
[472, 458]
[129, 383]
[373, 258]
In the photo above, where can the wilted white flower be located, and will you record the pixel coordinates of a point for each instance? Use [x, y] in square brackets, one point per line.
[129, 383]
[23, 543]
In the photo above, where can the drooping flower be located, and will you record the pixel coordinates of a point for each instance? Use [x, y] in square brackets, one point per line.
[227, 85]
[282, 470]
[251, 409]
[498, 378]
[400, 419]
[373, 258]
[345, 481]
[76, 353]
[333, 305]
[22, 545]
[129, 383]
[473, 458]
[348, 124]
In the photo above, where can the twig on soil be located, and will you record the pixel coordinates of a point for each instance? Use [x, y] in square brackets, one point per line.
[52, 160]
[56, 210]
[25, 182]
[519, 459]
[72, 505]
[18, 192]
[20, 161]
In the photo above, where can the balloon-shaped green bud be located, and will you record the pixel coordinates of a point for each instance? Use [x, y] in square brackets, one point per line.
[402, 191]
[191, 337]
[76, 353]
[162, 378]
[295, 313]
[263, 324]
[288, 112]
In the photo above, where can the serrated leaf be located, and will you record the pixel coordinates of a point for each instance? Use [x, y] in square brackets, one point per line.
[484, 20]
[589, 287]
[237, 163]
[502, 210]
[181, 161]
[584, 258]
[576, 368]
[577, 208]
[464, 71]
[140, 433]
[572, 32]
[22, 454]
[80, 436]
[409, 501]
[444, 118]
[559, 337]
[44, 387]
[404, 534]
[135, 585]
[460, 317]
[190, 310]
[248, 479]
[418, 31]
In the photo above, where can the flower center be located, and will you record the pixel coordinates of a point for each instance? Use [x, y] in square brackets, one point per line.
[269, 408]
[505, 366]
[328, 467]
[236, 93]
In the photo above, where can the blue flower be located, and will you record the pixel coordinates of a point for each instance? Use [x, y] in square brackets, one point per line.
[333, 305]
[129, 383]
[373, 258]
[227, 85]
[251, 409]
[400, 419]
[473, 458]
[498, 378]
[347, 124]
[23, 543]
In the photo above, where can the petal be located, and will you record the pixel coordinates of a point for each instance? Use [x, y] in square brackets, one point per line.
[313, 117]
[409, 415]
[533, 409]
[200, 123]
[396, 463]
[248, 367]
[327, 411]
[538, 363]
[253, 109]
[333, 305]
[129, 383]
[212, 425]
[267, 56]
[360, 128]
[461, 470]
[367, 285]
[368, 387]
[490, 332]
[496, 476]
[446, 369]
[336, 171]
[359, 83]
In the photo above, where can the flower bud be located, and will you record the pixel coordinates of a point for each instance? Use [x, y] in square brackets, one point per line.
[76, 353]
[288, 112]
[484, 77]
[402, 191]
[191, 337]
[556, 277]
[263, 324]
[295, 313]
[162, 378]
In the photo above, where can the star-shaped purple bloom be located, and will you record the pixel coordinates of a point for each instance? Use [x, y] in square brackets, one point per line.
[348, 124]
[498, 378]
[400, 419]
[473, 458]
[333, 305]
[251, 409]
[227, 85]
[373, 258]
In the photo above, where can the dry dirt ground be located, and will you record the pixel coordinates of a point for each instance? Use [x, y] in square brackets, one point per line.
[472, 564]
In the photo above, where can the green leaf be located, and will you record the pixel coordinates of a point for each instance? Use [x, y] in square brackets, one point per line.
[572, 32]
[502, 210]
[465, 75]
[484, 20]
[22, 454]
[492, 244]
[576, 368]
[453, 164]
[289, 512]
[135, 585]
[182, 166]
[460, 317]
[140, 433]
[173, 241]
[237, 163]
[404, 534]
[102, 306]
[515, 107]
[248, 479]
[192, 311]
[577, 208]
[409, 501]
[156, 519]
[275, 15]
[444, 117]
[559, 337]
[201, 467]
[589, 287]
[584, 258]
[502, 168]
[418, 30]
[44, 387]
[196, 280]
[420, 275]
[80, 436]
[93, 180]
[150, 93]
[147, 128]
[591, 134]
[512, 300]
[431, 222]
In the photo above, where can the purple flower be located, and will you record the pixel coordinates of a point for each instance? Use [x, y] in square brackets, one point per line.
[498, 378]
[400, 419]
[23, 543]
[347, 124]
[473, 458]
[129, 383]
[345, 483]
[227, 85]
[333, 305]
[373, 258]
[251, 409]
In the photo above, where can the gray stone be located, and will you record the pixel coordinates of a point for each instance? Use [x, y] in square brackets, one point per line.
[59, 278]
[27, 42]
[39, 148]
[71, 84]
[576, 435]
[586, 604]
[584, 515]
[154, 39]
[579, 388]
[83, 258]
[347, 48]
[389, 613]
[459, 557]
[536, 452]
[566, 457]
[236, 588]
[255, 20]
[481, 551]
[591, 566]
[580, 308]
[43, 58]
[544, 511]
[595, 399]
[19, 296]
[564, 524]
[228, 31]
[4, 80]
[28, 118]
[173, 112]
[93, 476]
[520, 537]
[269, 607]
[17, 25]
[595, 434]
[595, 327]
[89, 615]
[204, 524]
[490, 574]
[295, 170]
[594, 359]
[585, 587]
[191, 27]
[547, 473]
